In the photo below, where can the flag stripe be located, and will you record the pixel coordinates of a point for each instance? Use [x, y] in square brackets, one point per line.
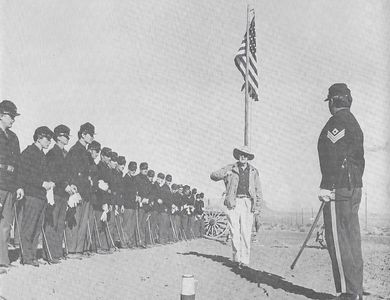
[241, 63]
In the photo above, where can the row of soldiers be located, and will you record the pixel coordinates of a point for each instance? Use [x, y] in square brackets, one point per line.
[83, 198]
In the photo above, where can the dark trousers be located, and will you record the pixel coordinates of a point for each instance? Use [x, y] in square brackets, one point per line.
[199, 226]
[112, 224]
[100, 228]
[143, 227]
[54, 227]
[32, 221]
[177, 225]
[184, 226]
[91, 242]
[6, 219]
[190, 226]
[155, 226]
[76, 230]
[130, 227]
[342, 234]
[164, 226]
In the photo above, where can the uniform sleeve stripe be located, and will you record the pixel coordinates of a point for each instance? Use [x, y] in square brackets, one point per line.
[337, 246]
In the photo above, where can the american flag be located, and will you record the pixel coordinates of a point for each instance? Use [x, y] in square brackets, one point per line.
[240, 61]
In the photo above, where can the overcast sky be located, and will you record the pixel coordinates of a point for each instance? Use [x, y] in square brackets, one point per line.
[158, 81]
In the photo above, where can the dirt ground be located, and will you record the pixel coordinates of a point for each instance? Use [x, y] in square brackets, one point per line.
[155, 273]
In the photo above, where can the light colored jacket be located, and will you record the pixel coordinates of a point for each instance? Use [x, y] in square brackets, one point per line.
[231, 183]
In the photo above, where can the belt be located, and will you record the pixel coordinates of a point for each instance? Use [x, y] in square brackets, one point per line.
[242, 196]
[8, 168]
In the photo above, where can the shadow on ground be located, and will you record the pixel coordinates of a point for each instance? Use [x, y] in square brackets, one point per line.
[264, 278]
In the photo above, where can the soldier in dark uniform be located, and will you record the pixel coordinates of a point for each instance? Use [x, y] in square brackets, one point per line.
[113, 207]
[78, 164]
[9, 168]
[191, 217]
[103, 200]
[172, 231]
[175, 211]
[94, 150]
[118, 194]
[130, 205]
[199, 224]
[55, 214]
[162, 203]
[35, 178]
[186, 211]
[152, 219]
[341, 155]
[166, 230]
[144, 186]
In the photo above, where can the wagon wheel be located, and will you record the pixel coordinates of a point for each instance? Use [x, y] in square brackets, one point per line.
[216, 224]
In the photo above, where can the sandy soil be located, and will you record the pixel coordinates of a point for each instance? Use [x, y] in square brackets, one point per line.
[155, 273]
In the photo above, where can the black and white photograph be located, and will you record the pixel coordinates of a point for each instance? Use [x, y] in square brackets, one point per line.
[186, 149]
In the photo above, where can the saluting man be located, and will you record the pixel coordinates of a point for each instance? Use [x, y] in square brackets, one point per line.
[9, 168]
[243, 199]
[341, 155]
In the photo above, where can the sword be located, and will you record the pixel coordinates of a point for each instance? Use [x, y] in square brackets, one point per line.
[173, 229]
[117, 230]
[308, 235]
[18, 229]
[97, 232]
[139, 235]
[109, 234]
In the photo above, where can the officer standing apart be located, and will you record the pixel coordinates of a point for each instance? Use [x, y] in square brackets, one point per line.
[243, 199]
[9, 167]
[341, 155]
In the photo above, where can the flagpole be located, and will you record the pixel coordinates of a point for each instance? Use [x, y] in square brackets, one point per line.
[247, 104]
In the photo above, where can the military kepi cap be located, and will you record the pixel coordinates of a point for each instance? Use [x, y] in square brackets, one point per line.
[338, 89]
[8, 108]
[121, 160]
[132, 166]
[106, 151]
[62, 130]
[94, 145]
[87, 128]
[143, 166]
[114, 156]
[43, 131]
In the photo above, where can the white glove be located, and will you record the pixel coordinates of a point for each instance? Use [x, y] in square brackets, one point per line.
[74, 199]
[159, 201]
[50, 196]
[103, 218]
[19, 194]
[145, 200]
[105, 207]
[103, 185]
[326, 195]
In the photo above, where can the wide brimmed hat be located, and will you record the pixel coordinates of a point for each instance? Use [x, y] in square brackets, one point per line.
[244, 150]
